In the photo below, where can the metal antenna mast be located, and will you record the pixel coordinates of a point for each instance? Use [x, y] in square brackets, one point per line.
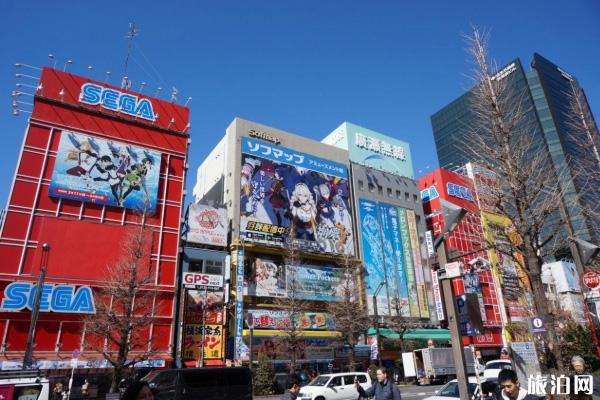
[131, 34]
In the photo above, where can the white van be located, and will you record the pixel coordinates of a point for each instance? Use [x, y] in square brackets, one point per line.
[24, 385]
[338, 386]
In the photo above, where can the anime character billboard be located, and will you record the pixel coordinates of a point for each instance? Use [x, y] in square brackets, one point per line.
[288, 194]
[105, 172]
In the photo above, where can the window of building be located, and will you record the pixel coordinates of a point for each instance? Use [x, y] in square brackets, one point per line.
[361, 185]
[415, 198]
[371, 188]
[379, 190]
[406, 197]
[195, 265]
[389, 192]
[398, 194]
[213, 267]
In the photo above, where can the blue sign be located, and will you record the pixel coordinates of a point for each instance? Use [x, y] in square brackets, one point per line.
[389, 259]
[429, 194]
[114, 100]
[54, 298]
[392, 217]
[284, 155]
[239, 304]
[538, 325]
[459, 191]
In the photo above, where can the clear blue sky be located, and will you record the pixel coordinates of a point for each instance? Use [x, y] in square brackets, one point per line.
[301, 66]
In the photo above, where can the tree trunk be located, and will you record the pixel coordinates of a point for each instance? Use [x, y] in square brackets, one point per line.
[116, 378]
[351, 363]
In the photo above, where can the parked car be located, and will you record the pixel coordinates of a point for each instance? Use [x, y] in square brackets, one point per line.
[493, 368]
[450, 390]
[210, 383]
[338, 386]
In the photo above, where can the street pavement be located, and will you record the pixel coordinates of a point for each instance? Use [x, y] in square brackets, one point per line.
[409, 392]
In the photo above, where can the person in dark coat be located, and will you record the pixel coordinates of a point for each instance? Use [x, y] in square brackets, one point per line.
[292, 389]
[383, 389]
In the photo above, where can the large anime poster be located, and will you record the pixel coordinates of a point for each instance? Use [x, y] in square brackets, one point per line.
[372, 255]
[413, 297]
[396, 242]
[288, 194]
[389, 261]
[418, 264]
[264, 277]
[105, 172]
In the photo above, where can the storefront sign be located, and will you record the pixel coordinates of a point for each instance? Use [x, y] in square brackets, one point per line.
[213, 342]
[114, 100]
[380, 146]
[239, 305]
[429, 242]
[591, 280]
[459, 191]
[437, 296]
[207, 225]
[488, 339]
[201, 281]
[54, 298]
[269, 319]
[264, 136]
[288, 194]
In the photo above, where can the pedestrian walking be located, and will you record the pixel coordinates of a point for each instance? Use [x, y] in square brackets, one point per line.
[85, 389]
[511, 387]
[292, 390]
[383, 389]
[578, 364]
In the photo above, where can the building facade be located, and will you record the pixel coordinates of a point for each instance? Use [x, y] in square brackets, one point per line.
[543, 93]
[281, 189]
[96, 162]
[442, 190]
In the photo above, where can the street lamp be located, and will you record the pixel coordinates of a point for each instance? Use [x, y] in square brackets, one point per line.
[381, 285]
[453, 215]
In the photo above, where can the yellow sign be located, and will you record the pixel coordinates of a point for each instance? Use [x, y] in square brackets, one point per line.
[213, 342]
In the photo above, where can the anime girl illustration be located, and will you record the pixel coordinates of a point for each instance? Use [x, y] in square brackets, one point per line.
[304, 212]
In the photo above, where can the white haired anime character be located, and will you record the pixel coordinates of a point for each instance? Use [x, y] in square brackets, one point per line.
[304, 212]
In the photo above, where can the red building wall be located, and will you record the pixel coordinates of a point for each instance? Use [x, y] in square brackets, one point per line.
[465, 243]
[85, 238]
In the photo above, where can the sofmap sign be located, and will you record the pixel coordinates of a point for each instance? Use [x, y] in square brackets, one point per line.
[19, 296]
[114, 100]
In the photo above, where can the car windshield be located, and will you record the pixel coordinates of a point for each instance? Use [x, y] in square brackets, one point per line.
[451, 389]
[498, 365]
[320, 380]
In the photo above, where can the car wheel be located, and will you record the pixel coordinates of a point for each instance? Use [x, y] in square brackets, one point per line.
[320, 398]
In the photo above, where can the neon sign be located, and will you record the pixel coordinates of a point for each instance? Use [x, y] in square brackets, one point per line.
[114, 100]
[459, 191]
[54, 298]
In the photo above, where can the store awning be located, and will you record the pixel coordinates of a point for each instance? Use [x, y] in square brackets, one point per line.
[277, 332]
[414, 334]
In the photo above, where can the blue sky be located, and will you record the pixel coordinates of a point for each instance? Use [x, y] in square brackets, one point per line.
[303, 67]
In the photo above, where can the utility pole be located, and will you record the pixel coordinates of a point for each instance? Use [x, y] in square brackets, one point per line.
[27, 358]
[381, 285]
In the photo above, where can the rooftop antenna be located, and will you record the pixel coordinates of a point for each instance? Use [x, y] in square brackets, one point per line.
[131, 34]
[69, 62]
[158, 90]
[107, 77]
[188, 101]
[52, 60]
[142, 87]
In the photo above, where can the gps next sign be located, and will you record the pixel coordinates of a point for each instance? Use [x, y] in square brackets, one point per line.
[114, 100]
[19, 296]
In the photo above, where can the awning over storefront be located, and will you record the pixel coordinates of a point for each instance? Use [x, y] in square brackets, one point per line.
[278, 332]
[414, 334]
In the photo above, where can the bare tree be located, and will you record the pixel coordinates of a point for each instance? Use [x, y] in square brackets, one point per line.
[350, 316]
[505, 136]
[294, 305]
[120, 329]
[399, 323]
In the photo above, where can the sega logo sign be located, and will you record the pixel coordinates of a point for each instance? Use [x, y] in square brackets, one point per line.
[196, 279]
[459, 191]
[114, 100]
[54, 298]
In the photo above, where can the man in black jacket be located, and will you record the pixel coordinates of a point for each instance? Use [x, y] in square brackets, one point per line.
[383, 389]
[292, 388]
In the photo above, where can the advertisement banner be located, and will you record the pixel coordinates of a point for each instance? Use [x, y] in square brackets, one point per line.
[389, 262]
[289, 194]
[315, 282]
[413, 297]
[213, 342]
[372, 255]
[202, 281]
[207, 225]
[418, 264]
[264, 277]
[396, 240]
[239, 305]
[437, 295]
[309, 349]
[203, 303]
[270, 319]
[471, 283]
[100, 171]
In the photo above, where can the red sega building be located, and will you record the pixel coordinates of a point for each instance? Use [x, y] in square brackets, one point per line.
[93, 155]
[465, 243]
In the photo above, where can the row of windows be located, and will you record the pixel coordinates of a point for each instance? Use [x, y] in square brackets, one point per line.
[390, 192]
[213, 267]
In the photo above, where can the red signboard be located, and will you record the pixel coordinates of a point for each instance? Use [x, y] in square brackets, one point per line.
[488, 339]
[591, 280]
